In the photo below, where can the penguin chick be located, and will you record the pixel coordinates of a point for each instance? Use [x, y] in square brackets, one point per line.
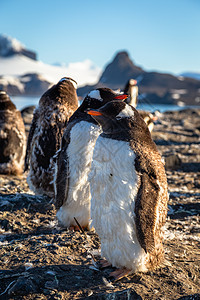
[12, 137]
[129, 191]
[72, 190]
[49, 120]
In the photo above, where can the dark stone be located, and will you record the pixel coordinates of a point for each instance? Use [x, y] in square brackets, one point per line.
[191, 167]
[190, 297]
[5, 224]
[120, 295]
[172, 162]
[23, 286]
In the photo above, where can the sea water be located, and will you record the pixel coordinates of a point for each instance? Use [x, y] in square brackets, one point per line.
[22, 102]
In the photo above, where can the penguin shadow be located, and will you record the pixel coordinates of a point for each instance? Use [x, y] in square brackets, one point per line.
[32, 203]
[29, 280]
[17, 225]
[185, 133]
[171, 142]
[191, 167]
[182, 211]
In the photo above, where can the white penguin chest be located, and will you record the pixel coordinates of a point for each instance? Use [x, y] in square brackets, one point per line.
[83, 137]
[113, 177]
[114, 186]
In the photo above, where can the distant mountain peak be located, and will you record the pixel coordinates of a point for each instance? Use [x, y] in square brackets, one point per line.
[121, 55]
[121, 69]
[10, 46]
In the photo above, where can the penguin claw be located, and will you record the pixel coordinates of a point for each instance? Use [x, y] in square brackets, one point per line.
[118, 274]
[74, 228]
[103, 263]
[77, 228]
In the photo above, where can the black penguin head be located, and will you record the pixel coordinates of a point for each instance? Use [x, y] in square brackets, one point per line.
[5, 102]
[113, 116]
[99, 97]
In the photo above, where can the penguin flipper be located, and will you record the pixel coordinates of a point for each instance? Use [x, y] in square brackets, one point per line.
[62, 176]
[30, 137]
[146, 211]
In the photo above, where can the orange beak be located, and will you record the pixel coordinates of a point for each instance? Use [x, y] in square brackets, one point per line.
[94, 113]
[121, 97]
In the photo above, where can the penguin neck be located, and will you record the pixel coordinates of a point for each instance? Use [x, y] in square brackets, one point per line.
[116, 131]
[90, 104]
[120, 136]
[81, 114]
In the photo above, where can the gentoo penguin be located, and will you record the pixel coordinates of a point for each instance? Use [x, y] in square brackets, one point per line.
[72, 191]
[131, 89]
[149, 119]
[49, 120]
[129, 191]
[27, 116]
[12, 137]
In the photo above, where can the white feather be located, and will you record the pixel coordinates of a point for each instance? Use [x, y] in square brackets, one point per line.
[79, 152]
[95, 94]
[114, 185]
[127, 112]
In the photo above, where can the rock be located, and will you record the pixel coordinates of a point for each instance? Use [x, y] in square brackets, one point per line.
[23, 286]
[52, 284]
[172, 162]
[190, 297]
[121, 295]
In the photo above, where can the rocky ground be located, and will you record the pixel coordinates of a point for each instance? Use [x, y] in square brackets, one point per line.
[40, 260]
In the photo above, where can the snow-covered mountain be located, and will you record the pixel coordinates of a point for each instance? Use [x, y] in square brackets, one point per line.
[191, 75]
[10, 46]
[16, 62]
[83, 72]
[154, 87]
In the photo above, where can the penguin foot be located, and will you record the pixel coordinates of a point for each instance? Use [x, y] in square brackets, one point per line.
[118, 274]
[74, 228]
[77, 228]
[103, 263]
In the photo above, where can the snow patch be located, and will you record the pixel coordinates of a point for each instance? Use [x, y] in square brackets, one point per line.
[9, 80]
[83, 73]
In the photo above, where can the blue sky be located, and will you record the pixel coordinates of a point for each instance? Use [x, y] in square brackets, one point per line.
[158, 34]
